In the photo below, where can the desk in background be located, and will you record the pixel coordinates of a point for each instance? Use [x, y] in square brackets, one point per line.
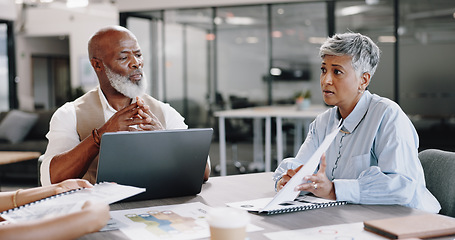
[9, 157]
[279, 112]
[221, 190]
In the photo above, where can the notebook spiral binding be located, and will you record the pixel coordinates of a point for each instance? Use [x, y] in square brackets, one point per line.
[303, 208]
[40, 200]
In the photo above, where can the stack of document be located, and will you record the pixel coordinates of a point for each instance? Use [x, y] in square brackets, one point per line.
[70, 201]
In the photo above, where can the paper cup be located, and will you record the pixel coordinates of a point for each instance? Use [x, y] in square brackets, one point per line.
[227, 223]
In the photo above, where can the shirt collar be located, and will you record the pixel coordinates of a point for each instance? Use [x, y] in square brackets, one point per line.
[105, 103]
[357, 115]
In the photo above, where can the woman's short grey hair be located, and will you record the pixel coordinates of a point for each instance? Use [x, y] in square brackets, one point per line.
[363, 51]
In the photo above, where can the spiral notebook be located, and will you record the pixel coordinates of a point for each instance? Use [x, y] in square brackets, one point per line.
[71, 201]
[287, 200]
[301, 203]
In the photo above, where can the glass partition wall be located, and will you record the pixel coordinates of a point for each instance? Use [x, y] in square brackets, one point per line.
[204, 59]
[297, 31]
[177, 47]
[242, 57]
[186, 65]
[376, 21]
[8, 95]
[426, 48]
[4, 101]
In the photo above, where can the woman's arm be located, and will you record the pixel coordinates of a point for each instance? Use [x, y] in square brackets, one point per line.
[91, 218]
[398, 173]
[8, 200]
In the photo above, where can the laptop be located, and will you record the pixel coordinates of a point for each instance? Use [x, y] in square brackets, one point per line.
[168, 163]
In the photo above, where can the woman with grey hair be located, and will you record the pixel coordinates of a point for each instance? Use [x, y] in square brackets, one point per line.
[374, 157]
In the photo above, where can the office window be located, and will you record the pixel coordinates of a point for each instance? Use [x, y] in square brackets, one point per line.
[297, 33]
[427, 50]
[4, 75]
[376, 20]
[242, 52]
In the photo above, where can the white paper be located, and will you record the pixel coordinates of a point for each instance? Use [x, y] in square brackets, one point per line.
[351, 231]
[257, 205]
[71, 202]
[287, 193]
[180, 221]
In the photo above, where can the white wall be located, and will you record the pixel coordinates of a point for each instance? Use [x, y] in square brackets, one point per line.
[7, 10]
[77, 24]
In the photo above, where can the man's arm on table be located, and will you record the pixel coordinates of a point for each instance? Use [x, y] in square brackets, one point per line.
[64, 145]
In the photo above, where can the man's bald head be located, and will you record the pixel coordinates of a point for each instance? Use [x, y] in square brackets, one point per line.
[104, 37]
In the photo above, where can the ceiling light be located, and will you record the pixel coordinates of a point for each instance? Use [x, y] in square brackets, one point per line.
[277, 34]
[317, 40]
[218, 20]
[347, 11]
[275, 71]
[210, 37]
[252, 40]
[387, 39]
[240, 20]
[371, 2]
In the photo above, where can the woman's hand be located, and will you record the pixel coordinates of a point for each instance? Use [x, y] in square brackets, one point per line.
[97, 214]
[286, 177]
[318, 183]
[71, 184]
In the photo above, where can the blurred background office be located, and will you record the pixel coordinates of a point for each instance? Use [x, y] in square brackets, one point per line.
[203, 56]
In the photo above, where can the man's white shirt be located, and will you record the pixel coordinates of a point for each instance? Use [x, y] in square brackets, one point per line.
[63, 135]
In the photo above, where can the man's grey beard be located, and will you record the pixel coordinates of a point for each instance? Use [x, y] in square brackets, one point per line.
[124, 85]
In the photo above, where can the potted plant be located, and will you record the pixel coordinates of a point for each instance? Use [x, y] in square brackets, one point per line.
[303, 99]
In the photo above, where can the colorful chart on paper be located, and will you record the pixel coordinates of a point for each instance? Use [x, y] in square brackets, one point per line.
[183, 221]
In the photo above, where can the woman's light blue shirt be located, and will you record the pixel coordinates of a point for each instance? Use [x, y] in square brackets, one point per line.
[377, 155]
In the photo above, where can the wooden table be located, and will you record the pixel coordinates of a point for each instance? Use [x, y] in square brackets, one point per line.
[221, 190]
[7, 157]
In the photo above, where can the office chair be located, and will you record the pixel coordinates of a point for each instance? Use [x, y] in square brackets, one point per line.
[439, 168]
[236, 130]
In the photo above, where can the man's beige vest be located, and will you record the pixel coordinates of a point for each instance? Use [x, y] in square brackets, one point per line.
[90, 115]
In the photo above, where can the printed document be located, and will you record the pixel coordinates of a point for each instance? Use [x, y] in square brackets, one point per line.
[71, 201]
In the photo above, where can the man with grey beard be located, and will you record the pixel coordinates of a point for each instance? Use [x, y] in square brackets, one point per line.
[119, 103]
